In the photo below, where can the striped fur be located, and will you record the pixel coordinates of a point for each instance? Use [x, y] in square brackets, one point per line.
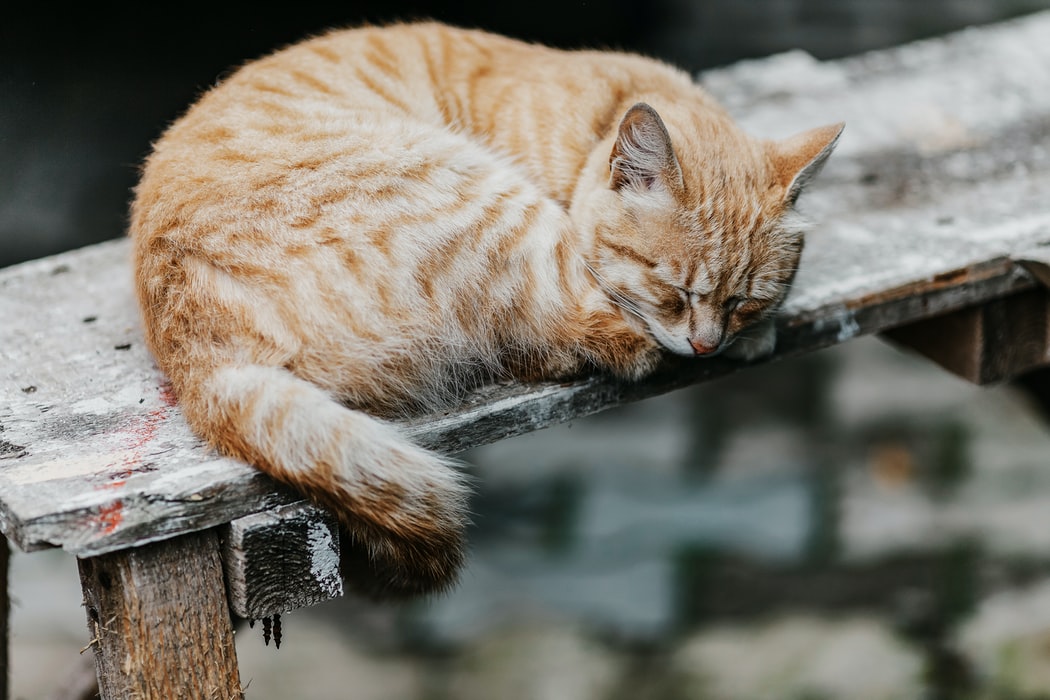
[373, 221]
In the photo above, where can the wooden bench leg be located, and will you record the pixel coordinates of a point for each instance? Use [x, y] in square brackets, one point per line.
[159, 621]
[5, 616]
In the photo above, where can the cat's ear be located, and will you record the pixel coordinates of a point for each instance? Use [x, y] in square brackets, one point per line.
[798, 159]
[642, 157]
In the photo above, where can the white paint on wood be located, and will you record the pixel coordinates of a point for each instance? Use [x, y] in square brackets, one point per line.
[848, 326]
[64, 467]
[280, 560]
[324, 559]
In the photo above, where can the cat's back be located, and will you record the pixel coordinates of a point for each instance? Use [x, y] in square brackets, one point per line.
[289, 126]
[429, 73]
[317, 110]
[333, 200]
[302, 108]
[402, 71]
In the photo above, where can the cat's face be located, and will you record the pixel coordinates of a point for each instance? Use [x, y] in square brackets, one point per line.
[695, 285]
[700, 251]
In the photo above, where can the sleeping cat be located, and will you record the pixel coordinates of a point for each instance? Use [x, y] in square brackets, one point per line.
[373, 221]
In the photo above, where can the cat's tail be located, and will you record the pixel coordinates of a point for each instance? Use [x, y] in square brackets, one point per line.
[403, 508]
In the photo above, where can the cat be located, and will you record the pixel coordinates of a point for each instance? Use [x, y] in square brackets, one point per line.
[375, 220]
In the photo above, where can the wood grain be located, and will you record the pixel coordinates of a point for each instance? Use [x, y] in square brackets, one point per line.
[281, 560]
[935, 192]
[159, 623]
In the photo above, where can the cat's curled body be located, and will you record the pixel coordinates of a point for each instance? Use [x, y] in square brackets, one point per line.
[374, 220]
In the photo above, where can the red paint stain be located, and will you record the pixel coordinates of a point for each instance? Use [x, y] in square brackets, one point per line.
[144, 430]
[141, 431]
[110, 517]
[133, 440]
[167, 394]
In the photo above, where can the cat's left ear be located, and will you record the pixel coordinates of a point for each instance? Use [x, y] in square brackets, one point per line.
[798, 159]
[642, 156]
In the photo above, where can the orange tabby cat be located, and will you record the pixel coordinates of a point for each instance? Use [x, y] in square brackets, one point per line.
[375, 220]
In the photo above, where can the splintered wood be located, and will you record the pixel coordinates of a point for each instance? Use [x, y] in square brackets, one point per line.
[937, 190]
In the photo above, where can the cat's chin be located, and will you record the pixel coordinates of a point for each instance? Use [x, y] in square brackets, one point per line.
[669, 343]
[754, 343]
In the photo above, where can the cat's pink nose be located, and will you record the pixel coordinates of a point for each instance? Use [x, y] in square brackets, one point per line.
[701, 348]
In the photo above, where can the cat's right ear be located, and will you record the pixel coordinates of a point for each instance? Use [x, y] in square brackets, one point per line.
[642, 157]
[798, 159]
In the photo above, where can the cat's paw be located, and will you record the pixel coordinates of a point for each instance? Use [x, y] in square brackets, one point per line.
[754, 343]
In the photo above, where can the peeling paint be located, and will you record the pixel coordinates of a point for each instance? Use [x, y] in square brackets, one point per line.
[109, 517]
[60, 468]
[9, 450]
[848, 327]
[324, 563]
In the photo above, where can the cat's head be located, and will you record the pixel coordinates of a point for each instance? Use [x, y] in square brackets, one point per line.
[696, 235]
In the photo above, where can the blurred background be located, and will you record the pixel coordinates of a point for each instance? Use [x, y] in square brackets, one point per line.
[852, 524]
[86, 89]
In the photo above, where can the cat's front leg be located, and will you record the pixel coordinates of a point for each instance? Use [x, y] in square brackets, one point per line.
[754, 342]
[592, 340]
[615, 346]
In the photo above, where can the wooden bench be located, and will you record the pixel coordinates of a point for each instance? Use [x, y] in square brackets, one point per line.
[932, 227]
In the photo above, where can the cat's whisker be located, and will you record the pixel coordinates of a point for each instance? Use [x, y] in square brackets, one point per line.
[615, 294]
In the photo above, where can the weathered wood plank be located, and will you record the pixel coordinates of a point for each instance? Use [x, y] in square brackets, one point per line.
[993, 342]
[159, 622]
[281, 560]
[937, 188]
[989, 343]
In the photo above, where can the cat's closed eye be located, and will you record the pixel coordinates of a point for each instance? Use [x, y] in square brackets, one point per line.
[676, 301]
[747, 310]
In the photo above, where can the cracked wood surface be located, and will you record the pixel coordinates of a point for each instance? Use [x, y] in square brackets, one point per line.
[937, 190]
